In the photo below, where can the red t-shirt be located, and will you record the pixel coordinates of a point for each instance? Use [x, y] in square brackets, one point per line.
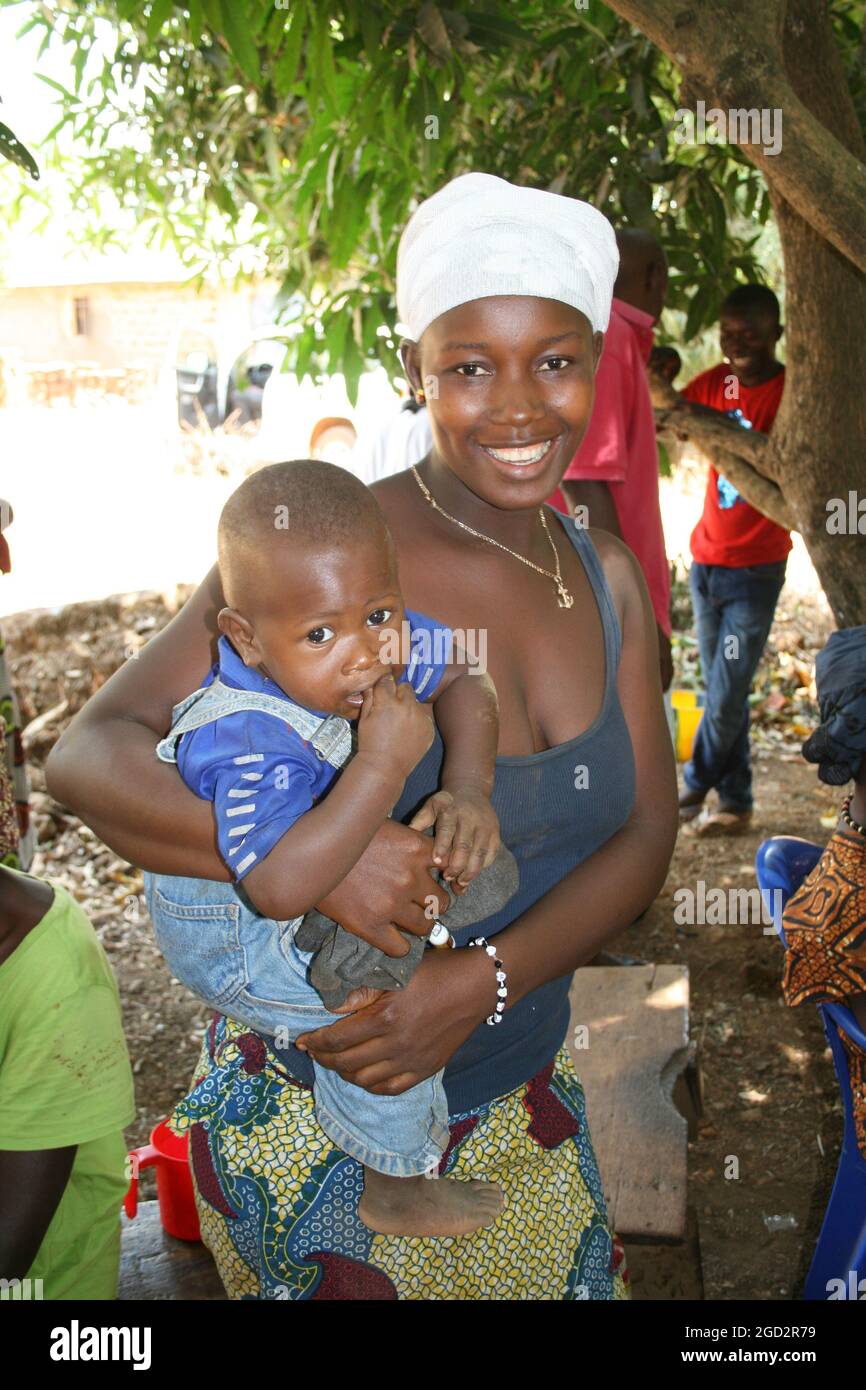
[619, 448]
[736, 535]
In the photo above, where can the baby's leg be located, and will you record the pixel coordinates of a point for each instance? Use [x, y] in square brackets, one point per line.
[399, 1140]
[417, 1207]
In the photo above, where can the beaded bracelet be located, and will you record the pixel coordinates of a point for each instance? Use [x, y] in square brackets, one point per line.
[849, 819]
[501, 990]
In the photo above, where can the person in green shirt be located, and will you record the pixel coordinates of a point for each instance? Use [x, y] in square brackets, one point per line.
[66, 1094]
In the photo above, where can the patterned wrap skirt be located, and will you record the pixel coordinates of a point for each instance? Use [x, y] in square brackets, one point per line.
[278, 1202]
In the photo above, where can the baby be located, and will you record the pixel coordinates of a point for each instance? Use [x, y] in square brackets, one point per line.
[315, 642]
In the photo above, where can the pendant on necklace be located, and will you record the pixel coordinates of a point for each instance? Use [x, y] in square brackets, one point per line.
[563, 599]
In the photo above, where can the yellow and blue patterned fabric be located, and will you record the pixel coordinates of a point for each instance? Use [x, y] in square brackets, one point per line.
[278, 1202]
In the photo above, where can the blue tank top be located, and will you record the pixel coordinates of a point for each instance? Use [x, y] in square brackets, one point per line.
[555, 808]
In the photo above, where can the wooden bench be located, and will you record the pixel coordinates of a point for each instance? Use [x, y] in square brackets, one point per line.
[637, 1061]
[629, 1040]
[155, 1266]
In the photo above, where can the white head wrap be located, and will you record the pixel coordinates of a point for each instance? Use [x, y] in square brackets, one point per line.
[481, 236]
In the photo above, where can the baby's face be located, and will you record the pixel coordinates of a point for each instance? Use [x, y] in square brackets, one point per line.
[331, 625]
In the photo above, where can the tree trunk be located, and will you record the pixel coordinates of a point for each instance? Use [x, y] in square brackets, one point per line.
[816, 452]
[819, 437]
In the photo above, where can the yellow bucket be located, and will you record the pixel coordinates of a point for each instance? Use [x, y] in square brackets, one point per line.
[687, 706]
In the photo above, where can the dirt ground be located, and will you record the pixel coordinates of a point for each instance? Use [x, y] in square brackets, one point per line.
[770, 1097]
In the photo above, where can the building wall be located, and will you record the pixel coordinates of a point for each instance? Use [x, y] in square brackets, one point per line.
[127, 324]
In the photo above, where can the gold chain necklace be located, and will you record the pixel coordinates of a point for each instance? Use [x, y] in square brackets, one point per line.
[563, 597]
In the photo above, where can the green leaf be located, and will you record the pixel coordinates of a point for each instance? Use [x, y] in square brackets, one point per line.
[353, 366]
[12, 148]
[637, 203]
[29, 24]
[213, 14]
[352, 218]
[497, 25]
[335, 338]
[326, 65]
[272, 153]
[305, 348]
[258, 16]
[196, 19]
[637, 93]
[290, 283]
[371, 32]
[276, 29]
[243, 49]
[159, 13]
[223, 199]
[714, 210]
[78, 62]
[55, 129]
[320, 62]
[44, 45]
[286, 66]
[57, 87]
[698, 312]
[370, 321]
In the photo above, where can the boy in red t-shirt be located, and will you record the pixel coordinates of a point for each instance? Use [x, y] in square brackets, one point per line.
[739, 566]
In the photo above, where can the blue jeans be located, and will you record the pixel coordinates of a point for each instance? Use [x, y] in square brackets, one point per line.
[248, 967]
[734, 613]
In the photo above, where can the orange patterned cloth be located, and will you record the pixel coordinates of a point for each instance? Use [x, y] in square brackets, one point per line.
[857, 1076]
[825, 963]
[825, 927]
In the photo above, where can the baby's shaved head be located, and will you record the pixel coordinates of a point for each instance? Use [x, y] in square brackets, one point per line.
[301, 504]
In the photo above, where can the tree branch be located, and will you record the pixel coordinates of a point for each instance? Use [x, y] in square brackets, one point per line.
[738, 454]
[817, 176]
[674, 412]
[813, 170]
[745, 457]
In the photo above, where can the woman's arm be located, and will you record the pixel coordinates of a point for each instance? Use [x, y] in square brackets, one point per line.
[408, 1035]
[104, 766]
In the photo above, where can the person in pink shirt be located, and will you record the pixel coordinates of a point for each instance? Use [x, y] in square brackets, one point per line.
[615, 473]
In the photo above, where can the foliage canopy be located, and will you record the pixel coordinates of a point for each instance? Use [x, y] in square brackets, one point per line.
[306, 133]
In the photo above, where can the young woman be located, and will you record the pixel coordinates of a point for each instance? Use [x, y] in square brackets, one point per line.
[506, 292]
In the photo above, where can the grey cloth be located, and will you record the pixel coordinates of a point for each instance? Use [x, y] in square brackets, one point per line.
[343, 962]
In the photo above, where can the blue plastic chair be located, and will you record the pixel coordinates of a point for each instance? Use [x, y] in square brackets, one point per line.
[781, 864]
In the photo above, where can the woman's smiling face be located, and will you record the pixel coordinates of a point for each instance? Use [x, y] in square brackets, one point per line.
[511, 393]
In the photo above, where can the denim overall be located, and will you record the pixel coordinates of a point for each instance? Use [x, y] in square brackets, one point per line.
[248, 966]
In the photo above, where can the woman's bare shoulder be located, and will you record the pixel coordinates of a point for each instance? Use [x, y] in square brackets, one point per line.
[396, 496]
[397, 485]
[621, 568]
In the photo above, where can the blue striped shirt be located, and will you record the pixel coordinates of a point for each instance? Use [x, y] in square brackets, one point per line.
[260, 774]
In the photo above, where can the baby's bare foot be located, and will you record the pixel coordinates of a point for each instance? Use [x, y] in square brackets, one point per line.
[421, 1207]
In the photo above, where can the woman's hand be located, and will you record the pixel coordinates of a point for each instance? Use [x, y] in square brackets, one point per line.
[390, 884]
[411, 1033]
